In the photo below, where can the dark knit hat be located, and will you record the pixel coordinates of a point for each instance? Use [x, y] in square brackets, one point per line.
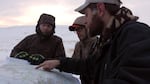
[48, 19]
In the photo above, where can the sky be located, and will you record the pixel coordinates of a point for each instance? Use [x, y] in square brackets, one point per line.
[27, 12]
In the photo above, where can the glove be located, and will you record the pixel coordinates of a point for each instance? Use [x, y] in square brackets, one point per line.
[22, 55]
[36, 59]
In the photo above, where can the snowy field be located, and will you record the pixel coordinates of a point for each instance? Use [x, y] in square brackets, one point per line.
[10, 36]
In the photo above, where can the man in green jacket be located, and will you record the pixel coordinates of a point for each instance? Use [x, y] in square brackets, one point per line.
[85, 47]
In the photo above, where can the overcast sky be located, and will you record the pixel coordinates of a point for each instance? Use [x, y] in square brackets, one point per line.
[27, 12]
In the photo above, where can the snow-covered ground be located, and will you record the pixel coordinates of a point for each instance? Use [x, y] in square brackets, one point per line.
[10, 36]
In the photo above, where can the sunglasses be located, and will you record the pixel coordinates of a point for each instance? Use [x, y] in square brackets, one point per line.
[75, 27]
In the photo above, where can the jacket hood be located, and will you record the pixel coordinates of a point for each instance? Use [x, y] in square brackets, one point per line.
[45, 19]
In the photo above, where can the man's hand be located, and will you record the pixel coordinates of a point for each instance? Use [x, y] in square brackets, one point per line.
[49, 65]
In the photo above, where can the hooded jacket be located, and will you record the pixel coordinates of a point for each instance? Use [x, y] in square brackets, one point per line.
[48, 46]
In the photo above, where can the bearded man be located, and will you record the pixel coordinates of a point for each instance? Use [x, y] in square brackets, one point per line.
[124, 56]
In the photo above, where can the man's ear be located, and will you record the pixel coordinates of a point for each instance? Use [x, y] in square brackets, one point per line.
[101, 8]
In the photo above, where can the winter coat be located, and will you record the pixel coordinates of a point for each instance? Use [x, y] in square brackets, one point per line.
[83, 48]
[125, 59]
[82, 51]
[50, 47]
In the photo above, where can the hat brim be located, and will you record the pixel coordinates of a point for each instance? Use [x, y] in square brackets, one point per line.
[71, 28]
[81, 8]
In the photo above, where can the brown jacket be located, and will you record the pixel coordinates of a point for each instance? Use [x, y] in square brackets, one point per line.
[82, 51]
[50, 47]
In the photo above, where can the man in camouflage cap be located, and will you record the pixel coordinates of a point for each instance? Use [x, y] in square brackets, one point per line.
[85, 47]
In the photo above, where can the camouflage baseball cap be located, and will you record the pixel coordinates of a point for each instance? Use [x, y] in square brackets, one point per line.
[80, 21]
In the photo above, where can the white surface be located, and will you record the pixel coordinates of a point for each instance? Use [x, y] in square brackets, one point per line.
[16, 71]
[9, 37]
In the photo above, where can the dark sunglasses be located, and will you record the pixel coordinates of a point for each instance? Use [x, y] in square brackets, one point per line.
[75, 27]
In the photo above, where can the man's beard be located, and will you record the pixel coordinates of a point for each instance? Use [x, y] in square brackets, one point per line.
[47, 34]
[96, 26]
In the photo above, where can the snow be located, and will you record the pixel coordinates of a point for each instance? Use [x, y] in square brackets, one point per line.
[10, 36]
[16, 71]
